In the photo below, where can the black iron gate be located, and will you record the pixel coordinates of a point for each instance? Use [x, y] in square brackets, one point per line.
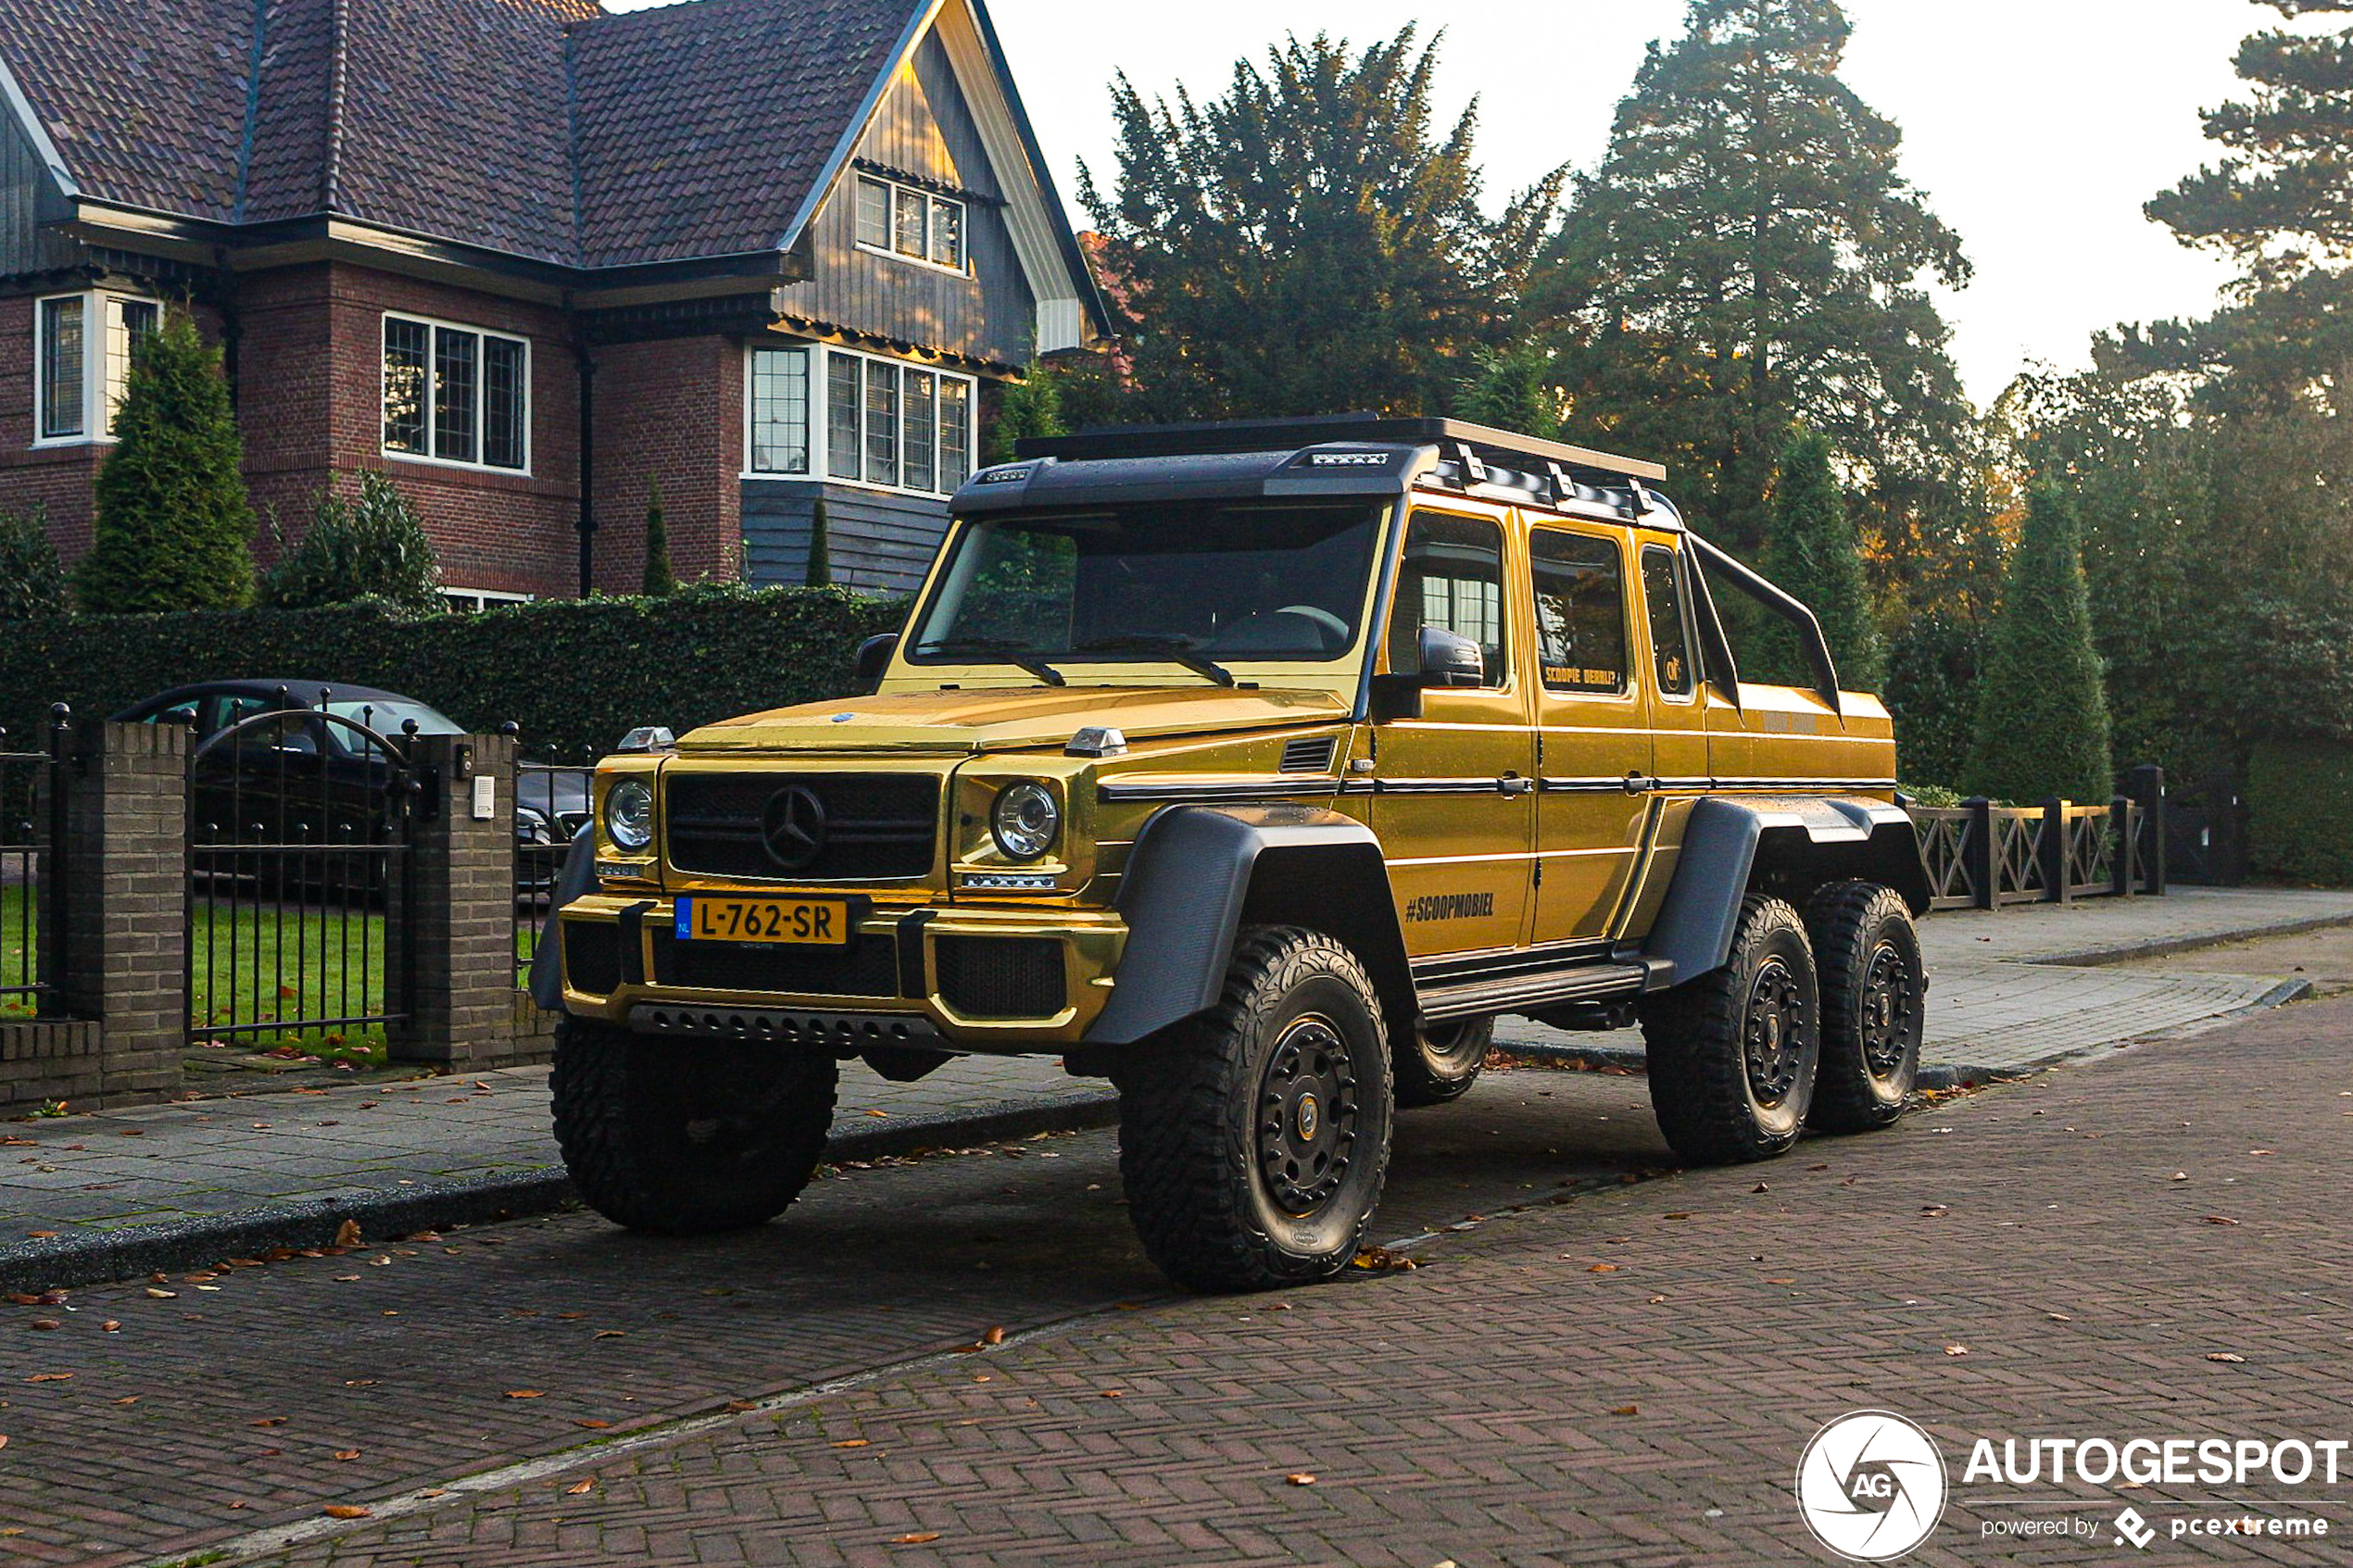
[32, 884]
[299, 872]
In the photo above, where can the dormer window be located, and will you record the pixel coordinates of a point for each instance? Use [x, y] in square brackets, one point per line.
[910, 223]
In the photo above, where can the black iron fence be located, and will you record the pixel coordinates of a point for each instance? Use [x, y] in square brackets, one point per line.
[297, 882]
[1981, 856]
[551, 806]
[32, 884]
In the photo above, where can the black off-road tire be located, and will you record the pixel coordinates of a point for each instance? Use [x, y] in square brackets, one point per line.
[680, 1137]
[1874, 1005]
[1734, 1053]
[1437, 1063]
[1224, 1187]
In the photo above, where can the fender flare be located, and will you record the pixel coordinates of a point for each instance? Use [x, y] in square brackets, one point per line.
[1729, 839]
[1197, 873]
[577, 880]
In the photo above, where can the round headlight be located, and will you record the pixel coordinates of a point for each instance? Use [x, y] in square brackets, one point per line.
[629, 813]
[1025, 820]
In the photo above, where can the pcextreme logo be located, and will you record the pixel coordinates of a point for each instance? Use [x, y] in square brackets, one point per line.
[1871, 1485]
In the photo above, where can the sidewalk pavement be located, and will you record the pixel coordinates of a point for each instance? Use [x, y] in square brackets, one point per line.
[88, 1197]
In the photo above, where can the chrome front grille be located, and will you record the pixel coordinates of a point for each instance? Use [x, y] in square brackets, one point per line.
[803, 827]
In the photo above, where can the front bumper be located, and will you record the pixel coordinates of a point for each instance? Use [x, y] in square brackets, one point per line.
[999, 980]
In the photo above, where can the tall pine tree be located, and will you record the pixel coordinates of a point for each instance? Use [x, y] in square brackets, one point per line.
[1816, 555]
[1512, 391]
[2277, 205]
[1307, 242]
[174, 525]
[2041, 704]
[1747, 257]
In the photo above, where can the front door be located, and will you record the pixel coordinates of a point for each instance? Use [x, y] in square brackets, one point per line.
[1455, 802]
[1593, 741]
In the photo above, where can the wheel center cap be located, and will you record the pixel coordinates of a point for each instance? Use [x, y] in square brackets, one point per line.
[1306, 1118]
[1773, 1031]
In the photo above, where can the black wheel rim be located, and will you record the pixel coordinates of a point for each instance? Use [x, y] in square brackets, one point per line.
[1889, 1012]
[1306, 1115]
[1773, 1032]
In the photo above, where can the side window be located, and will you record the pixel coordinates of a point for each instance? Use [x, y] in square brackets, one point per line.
[1581, 611]
[1670, 648]
[1451, 577]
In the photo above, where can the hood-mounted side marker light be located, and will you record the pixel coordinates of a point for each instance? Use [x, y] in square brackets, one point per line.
[1096, 740]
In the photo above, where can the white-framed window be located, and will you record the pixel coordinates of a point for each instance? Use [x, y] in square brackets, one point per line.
[856, 417]
[455, 395]
[473, 601]
[911, 223]
[82, 345]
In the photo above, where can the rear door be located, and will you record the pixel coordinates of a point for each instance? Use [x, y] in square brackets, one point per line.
[1593, 740]
[1455, 799]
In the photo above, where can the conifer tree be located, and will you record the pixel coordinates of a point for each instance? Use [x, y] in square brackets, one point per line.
[2041, 706]
[1512, 391]
[1748, 258]
[819, 572]
[31, 582]
[1310, 241]
[1032, 406]
[2274, 204]
[1816, 555]
[174, 525]
[659, 578]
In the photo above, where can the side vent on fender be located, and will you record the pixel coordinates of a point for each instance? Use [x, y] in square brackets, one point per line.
[1310, 754]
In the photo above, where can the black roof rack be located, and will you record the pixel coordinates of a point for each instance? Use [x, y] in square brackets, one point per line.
[1454, 437]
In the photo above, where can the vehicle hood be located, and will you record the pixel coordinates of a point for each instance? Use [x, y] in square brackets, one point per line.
[1020, 718]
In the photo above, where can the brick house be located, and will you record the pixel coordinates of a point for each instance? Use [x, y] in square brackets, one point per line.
[528, 257]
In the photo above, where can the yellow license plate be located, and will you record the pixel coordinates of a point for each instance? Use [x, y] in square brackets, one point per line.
[796, 921]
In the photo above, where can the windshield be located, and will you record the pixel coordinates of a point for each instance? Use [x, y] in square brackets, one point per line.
[386, 719]
[1195, 581]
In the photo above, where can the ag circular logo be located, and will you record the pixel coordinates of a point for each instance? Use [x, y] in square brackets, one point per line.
[1871, 1485]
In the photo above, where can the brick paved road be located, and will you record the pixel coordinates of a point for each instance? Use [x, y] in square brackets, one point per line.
[1627, 1378]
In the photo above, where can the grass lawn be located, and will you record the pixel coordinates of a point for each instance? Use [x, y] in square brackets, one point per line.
[19, 927]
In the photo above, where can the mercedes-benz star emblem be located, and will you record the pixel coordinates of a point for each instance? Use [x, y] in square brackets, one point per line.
[792, 828]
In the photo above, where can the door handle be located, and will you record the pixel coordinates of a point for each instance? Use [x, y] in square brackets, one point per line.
[1636, 783]
[1512, 783]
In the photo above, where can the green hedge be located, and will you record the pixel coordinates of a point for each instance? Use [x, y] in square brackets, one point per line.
[574, 673]
[2299, 800]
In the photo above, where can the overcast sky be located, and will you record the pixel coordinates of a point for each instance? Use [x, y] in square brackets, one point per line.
[2037, 127]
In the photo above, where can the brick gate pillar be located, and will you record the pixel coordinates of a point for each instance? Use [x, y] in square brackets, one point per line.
[124, 956]
[459, 908]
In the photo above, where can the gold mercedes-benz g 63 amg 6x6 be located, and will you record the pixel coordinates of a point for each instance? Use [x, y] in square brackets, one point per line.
[1258, 767]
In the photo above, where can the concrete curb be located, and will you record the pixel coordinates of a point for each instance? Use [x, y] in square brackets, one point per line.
[95, 1257]
[2095, 957]
[1941, 1074]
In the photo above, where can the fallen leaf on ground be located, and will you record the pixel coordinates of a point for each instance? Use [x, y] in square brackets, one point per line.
[1683, 1214]
[1626, 1410]
[580, 1488]
[1781, 1282]
[2219, 1219]
[561, 1317]
[348, 1233]
[525, 1394]
[269, 1421]
[1374, 1258]
[50, 1377]
[913, 1537]
[344, 1510]
[1957, 1349]
[2058, 1317]
[40, 1236]
[993, 1336]
[1301, 1478]
[4, 1439]
[1760, 1187]
[2259, 1151]
[853, 1443]
[612, 1334]
[110, 1326]
[1114, 1392]
[2179, 1176]
[739, 1405]
[871, 1111]
[46, 1323]
[2223, 1356]
[346, 1454]
[593, 1425]
[1602, 1269]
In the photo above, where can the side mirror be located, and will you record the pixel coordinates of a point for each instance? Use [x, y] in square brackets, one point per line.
[1449, 662]
[874, 657]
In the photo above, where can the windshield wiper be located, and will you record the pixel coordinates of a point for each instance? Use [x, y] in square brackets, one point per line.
[1003, 649]
[1177, 650]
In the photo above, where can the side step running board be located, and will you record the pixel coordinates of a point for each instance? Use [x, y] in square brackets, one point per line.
[1520, 992]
